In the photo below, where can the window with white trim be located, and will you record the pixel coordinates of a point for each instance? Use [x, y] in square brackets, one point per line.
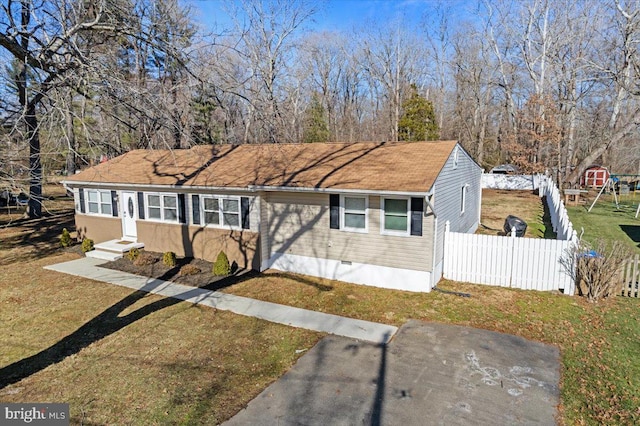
[99, 202]
[211, 210]
[221, 211]
[163, 207]
[354, 213]
[395, 214]
[463, 198]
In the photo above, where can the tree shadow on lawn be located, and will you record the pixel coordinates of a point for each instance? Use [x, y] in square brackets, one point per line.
[37, 238]
[104, 324]
[110, 321]
[242, 275]
[301, 279]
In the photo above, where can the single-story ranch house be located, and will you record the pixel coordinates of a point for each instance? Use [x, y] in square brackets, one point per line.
[367, 213]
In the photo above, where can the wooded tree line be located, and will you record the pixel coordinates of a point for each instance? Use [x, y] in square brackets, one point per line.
[546, 84]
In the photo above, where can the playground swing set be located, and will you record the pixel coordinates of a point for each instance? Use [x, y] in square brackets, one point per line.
[610, 186]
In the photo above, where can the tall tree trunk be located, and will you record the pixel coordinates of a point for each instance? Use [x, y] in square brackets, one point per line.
[71, 138]
[31, 121]
[570, 141]
[35, 167]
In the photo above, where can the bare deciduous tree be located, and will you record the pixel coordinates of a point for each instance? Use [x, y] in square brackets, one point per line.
[63, 44]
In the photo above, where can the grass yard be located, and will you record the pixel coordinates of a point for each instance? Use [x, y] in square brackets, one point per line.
[124, 357]
[497, 204]
[605, 222]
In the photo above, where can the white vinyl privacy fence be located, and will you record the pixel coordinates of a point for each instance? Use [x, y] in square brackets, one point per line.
[525, 263]
[562, 226]
[509, 261]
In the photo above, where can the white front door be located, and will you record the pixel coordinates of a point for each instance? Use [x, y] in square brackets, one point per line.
[129, 214]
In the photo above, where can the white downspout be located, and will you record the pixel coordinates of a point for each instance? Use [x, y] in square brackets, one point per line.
[435, 239]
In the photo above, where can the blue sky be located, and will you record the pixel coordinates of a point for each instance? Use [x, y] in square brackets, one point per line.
[345, 14]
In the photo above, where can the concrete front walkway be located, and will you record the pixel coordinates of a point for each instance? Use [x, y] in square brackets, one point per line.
[295, 317]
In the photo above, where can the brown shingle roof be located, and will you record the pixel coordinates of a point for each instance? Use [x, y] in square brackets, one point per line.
[401, 166]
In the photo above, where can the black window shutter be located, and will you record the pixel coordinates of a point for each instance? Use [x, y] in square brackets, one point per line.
[195, 205]
[417, 208]
[182, 216]
[334, 211]
[141, 205]
[81, 195]
[114, 204]
[244, 204]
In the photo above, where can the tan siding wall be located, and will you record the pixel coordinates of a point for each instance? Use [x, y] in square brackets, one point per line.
[265, 244]
[199, 242]
[98, 228]
[298, 223]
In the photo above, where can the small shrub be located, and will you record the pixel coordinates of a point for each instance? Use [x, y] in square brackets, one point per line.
[596, 268]
[65, 238]
[221, 267]
[189, 270]
[145, 259]
[133, 254]
[87, 245]
[169, 259]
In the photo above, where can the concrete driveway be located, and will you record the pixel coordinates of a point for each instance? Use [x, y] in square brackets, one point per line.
[428, 374]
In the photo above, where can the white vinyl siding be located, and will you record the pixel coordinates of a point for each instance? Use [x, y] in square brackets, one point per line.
[395, 216]
[99, 202]
[353, 213]
[222, 211]
[448, 193]
[162, 207]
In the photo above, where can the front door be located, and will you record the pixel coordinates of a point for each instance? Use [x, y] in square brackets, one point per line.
[129, 230]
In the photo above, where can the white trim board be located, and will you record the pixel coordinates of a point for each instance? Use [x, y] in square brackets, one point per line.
[187, 189]
[357, 273]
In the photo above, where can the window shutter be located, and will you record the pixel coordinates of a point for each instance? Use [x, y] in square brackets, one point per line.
[417, 208]
[195, 205]
[114, 204]
[141, 205]
[182, 216]
[334, 211]
[81, 195]
[244, 204]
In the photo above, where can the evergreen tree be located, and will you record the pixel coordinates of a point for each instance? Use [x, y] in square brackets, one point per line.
[418, 122]
[315, 124]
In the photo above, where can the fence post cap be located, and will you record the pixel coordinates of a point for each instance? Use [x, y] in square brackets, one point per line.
[574, 236]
